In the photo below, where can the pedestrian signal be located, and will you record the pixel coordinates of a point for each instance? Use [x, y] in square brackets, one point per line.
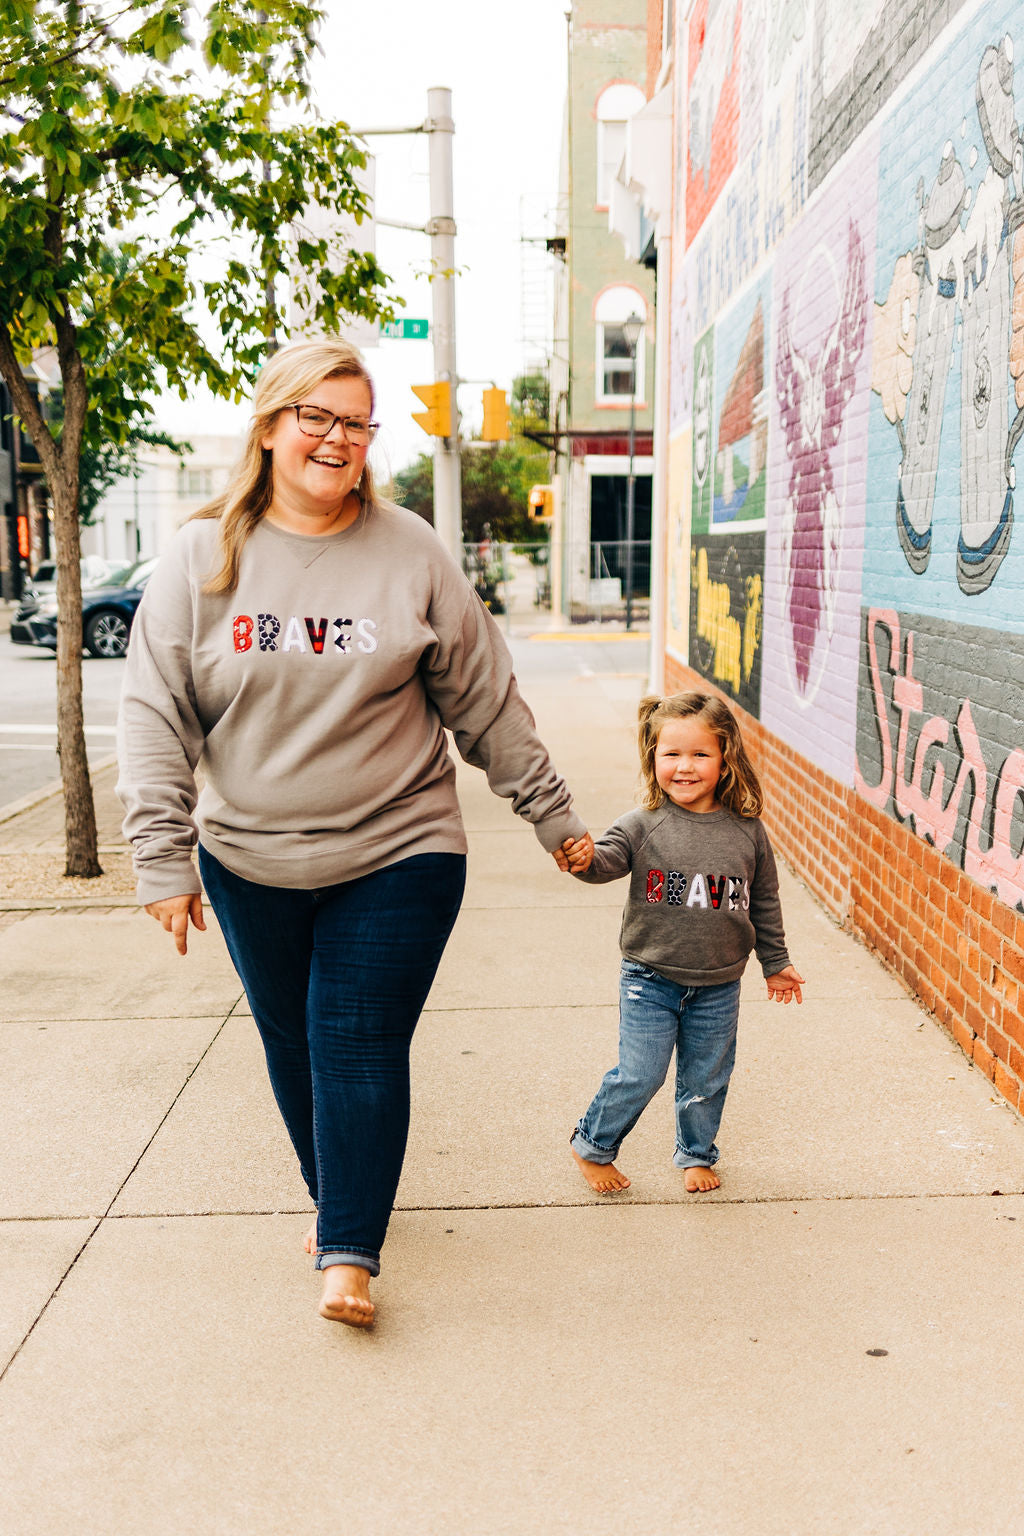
[542, 503]
[437, 418]
[495, 428]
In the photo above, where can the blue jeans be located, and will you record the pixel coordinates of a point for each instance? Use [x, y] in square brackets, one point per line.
[336, 979]
[657, 1017]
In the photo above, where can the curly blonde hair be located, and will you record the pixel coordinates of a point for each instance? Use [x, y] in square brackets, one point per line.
[292, 372]
[739, 788]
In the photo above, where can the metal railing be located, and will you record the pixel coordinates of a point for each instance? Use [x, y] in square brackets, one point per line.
[600, 583]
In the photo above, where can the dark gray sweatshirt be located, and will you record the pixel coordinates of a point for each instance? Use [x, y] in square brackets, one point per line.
[317, 695]
[703, 892]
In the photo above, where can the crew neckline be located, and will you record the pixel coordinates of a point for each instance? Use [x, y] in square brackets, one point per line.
[312, 540]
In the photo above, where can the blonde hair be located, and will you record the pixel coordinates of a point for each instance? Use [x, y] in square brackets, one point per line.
[739, 788]
[292, 372]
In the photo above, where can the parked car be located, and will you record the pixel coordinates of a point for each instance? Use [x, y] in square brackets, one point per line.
[107, 613]
[96, 572]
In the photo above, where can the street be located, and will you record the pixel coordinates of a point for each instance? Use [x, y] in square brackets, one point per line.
[28, 717]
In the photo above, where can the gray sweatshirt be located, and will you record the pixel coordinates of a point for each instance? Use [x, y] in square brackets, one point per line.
[316, 695]
[703, 892]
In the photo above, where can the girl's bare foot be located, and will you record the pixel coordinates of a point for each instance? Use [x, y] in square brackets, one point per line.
[699, 1180]
[309, 1241]
[346, 1297]
[605, 1178]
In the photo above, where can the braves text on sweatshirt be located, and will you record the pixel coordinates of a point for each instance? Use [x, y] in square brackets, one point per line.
[703, 892]
[316, 695]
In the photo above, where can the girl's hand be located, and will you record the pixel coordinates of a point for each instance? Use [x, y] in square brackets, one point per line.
[784, 985]
[173, 913]
[575, 855]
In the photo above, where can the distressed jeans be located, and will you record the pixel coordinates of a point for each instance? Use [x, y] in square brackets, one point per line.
[657, 1017]
[336, 979]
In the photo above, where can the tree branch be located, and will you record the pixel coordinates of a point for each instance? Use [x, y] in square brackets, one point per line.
[26, 406]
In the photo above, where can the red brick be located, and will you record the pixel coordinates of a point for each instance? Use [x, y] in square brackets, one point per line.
[964, 1037]
[982, 901]
[1013, 961]
[997, 1043]
[1007, 1085]
[991, 942]
[984, 1059]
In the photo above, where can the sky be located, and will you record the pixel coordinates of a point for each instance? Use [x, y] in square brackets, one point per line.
[506, 70]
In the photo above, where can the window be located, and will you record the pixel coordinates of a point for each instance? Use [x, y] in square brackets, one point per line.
[615, 106]
[614, 382]
[195, 482]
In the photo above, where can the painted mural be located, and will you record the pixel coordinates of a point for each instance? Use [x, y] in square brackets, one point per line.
[818, 454]
[712, 105]
[862, 51]
[848, 392]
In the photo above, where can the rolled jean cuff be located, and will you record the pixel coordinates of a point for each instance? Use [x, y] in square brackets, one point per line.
[683, 1159]
[356, 1258]
[587, 1150]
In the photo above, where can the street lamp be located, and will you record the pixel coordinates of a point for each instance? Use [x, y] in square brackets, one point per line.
[631, 329]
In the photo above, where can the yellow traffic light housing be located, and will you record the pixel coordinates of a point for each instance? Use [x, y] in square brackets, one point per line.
[495, 428]
[542, 503]
[437, 418]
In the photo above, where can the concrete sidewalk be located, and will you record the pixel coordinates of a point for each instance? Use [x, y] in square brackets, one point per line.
[823, 1346]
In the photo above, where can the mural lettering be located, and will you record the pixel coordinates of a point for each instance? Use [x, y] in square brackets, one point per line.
[915, 780]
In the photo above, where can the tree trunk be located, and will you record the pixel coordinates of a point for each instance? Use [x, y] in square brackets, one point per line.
[79, 808]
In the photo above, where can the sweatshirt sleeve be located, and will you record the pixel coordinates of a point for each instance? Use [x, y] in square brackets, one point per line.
[468, 674]
[766, 910]
[159, 735]
[613, 857]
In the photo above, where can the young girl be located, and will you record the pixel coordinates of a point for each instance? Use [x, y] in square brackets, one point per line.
[703, 893]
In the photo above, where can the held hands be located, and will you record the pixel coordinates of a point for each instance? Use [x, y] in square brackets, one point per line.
[173, 913]
[784, 985]
[575, 854]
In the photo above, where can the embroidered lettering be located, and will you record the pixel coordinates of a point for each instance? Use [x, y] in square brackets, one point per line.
[317, 634]
[367, 642]
[342, 634]
[655, 885]
[716, 890]
[293, 640]
[241, 631]
[698, 896]
[735, 894]
[675, 888]
[270, 628]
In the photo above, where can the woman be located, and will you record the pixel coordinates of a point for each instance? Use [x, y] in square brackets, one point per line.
[310, 643]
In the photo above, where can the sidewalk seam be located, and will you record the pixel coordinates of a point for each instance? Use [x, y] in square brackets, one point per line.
[113, 1201]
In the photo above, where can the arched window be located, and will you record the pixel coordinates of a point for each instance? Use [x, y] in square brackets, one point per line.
[614, 360]
[615, 106]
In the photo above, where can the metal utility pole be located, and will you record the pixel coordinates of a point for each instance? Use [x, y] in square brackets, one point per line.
[441, 229]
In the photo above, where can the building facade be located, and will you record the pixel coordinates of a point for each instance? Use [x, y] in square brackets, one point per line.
[601, 404]
[838, 548]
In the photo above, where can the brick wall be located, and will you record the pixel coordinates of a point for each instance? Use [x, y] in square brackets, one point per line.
[957, 948]
[845, 445]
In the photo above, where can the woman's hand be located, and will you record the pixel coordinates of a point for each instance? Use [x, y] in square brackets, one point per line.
[173, 913]
[785, 984]
[575, 855]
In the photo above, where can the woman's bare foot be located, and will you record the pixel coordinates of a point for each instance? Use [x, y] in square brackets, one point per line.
[699, 1180]
[309, 1241]
[346, 1297]
[605, 1178]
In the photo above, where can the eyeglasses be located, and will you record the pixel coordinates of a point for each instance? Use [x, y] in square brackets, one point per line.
[314, 421]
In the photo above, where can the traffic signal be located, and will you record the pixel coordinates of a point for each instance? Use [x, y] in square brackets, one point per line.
[495, 428]
[437, 418]
[542, 503]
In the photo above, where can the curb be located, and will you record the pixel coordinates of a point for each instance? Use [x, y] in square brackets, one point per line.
[38, 796]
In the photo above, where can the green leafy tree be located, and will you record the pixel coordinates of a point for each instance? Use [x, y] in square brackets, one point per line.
[121, 131]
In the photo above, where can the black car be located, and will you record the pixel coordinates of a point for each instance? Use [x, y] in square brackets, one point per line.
[107, 614]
